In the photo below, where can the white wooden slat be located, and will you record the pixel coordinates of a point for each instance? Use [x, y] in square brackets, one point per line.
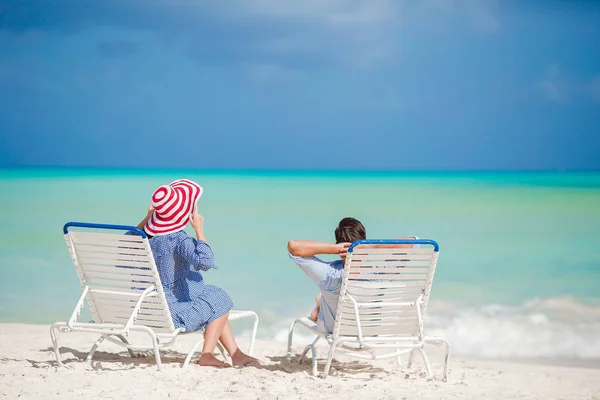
[105, 302]
[386, 263]
[400, 326]
[391, 250]
[117, 270]
[86, 248]
[383, 324]
[134, 281]
[384, 311]
[151, 314]
[112, 244]
[384, 285]
[103, 244]
[396, 312]
[139, 274]
[86, 261]
[387, 270]
[392, 257]
[107, 311]
[389, 298]
[109, 257]
[155, 324]
[388, 275]
[409, 310]
[129, 286]
[357, 291]
[140, 320]
[379, 319]
[118, 245]
[148, 313]
[125, 297]
[377, 331]
[94, 237]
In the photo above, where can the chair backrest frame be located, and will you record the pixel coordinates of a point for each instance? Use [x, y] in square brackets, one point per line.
[115, 269]
[385, 290]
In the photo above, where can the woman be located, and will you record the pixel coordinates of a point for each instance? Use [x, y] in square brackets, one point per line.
[179, 259]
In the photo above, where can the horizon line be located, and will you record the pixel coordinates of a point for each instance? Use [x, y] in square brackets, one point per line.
[294, 171]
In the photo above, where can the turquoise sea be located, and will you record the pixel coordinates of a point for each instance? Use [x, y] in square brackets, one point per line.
[519, 267]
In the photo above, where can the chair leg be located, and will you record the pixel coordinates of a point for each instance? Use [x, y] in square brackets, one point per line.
[440, 341]
[124, 340]
[290, 337]
[329, 359]
[190, 354]
[301, 358]
[311, 347]
[253, 338]
[446, 359]
[398, 359]
[410, 358]
[426, 361]
[156, 350]
[314, 358]
[94, 348]
[53, 330]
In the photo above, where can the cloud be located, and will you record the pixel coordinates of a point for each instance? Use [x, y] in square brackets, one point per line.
[294, 34]
[340, 32]
[481, 16]
[560, 87]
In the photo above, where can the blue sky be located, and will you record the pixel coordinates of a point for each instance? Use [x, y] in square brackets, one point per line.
[313, 84]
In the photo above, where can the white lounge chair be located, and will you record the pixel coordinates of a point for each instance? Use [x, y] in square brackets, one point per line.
[121, 285]
[382, 303]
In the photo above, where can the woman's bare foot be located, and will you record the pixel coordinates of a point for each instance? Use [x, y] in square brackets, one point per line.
[239, 359]
[314, 314]
[209, 360]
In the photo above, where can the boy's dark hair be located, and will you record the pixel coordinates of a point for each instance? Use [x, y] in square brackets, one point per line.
[350, 230]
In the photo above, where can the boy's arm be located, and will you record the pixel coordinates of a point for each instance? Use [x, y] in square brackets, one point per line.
[309, 248]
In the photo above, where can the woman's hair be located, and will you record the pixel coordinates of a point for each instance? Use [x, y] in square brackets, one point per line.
[350, 230]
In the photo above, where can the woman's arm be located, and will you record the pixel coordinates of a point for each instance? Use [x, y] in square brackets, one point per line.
[197, 222]
[197, 252]
[142, 224]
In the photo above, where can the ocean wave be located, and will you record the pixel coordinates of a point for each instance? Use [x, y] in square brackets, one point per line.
[553, 328]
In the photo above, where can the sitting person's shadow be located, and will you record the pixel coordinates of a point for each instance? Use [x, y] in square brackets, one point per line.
[111, 361]
[337, 367]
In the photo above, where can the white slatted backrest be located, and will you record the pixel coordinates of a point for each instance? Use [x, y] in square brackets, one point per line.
[122, 264]
[385, 274]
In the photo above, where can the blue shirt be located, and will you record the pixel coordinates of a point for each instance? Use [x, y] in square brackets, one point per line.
[328, 277]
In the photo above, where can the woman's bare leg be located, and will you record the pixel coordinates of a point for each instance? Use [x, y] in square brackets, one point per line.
[213, 331]
[238, 357]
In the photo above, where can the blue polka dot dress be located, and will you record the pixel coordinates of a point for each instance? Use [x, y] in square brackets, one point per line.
[179, 259]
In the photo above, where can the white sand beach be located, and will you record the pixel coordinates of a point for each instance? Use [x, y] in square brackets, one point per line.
[28, 371]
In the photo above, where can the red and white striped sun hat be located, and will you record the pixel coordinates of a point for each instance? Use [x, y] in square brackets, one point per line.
[172, 204]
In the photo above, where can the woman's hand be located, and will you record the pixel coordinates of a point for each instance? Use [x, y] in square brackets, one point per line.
[142, 224]
[197, 222]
